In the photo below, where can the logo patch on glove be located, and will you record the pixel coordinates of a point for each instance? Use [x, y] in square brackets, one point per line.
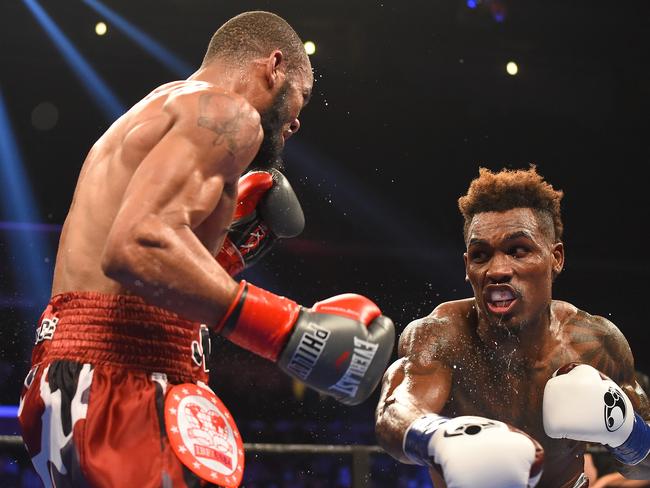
[615, 409]
[362, 356]
[470, 428]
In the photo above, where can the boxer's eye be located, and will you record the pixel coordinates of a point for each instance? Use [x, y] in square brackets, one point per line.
[478, 256]
[518, 251]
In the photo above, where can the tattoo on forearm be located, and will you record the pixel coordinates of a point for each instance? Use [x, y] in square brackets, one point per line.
[232, 126]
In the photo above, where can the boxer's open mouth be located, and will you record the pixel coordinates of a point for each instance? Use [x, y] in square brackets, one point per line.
[500, 299]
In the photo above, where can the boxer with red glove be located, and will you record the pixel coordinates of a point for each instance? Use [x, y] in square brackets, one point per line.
[267, 210]
[136, 283]
[583, 404]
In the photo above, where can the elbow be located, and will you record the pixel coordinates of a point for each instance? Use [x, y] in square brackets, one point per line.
[117, 261]
[127, 252]
[381, 432]
[385, 435]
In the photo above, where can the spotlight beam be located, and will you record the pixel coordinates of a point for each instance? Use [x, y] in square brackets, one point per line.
[168, 59]
[29, 249]
[96, 87]
[395, 227]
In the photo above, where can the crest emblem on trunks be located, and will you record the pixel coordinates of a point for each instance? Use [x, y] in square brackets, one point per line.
[204, 435]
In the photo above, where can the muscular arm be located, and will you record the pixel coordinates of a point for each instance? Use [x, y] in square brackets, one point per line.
[152, 248]
[416, 384]
[602, 345]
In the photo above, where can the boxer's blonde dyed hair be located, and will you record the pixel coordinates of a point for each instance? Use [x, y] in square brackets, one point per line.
[508, 189]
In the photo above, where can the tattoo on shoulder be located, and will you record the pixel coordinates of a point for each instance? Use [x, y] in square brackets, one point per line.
[228, 121]
[601, 345]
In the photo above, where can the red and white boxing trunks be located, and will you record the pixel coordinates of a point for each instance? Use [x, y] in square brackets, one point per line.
[91, 410]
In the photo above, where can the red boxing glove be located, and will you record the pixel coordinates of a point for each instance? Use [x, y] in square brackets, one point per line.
[340, 346]
[267, 209]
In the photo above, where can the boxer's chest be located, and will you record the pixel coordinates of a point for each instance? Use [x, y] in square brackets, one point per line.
[504, 390]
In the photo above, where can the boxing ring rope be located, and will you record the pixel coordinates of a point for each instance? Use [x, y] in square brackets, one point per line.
[360, 453]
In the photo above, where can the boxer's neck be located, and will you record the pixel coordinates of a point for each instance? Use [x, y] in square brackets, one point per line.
[526, 342]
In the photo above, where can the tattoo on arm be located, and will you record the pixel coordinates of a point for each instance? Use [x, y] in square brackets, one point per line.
[230, 123]
[601, 345]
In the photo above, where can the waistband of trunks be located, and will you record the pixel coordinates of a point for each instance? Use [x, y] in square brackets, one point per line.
[119, 330]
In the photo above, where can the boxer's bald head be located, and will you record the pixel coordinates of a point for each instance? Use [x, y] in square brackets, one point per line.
[508, 189]
[254, 35]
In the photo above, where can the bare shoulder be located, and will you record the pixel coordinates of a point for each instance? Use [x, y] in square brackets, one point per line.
[437, 336]
[216, 120]
[598, 342]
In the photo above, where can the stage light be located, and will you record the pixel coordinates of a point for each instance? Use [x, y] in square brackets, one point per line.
[91, 81]
[31, 255]
[512, 68]
[472, 3]
[45, 116]
[310, 47]
[100, 28]
[175, 64]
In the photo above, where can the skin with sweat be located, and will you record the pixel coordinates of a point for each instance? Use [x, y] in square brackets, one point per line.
[157, 191]
[491, 355]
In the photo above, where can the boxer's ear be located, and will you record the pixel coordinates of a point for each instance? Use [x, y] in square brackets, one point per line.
[274, 69]
[557, 251]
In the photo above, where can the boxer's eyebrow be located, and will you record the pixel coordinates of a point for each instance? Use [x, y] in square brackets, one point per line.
[475, 241]
[518, 234]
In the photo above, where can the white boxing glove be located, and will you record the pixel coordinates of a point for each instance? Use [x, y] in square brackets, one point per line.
[582, 404]
[475, 452]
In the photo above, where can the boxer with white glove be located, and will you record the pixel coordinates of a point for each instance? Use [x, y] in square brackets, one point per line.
[475, 452]
[492, 354]
[583, 404]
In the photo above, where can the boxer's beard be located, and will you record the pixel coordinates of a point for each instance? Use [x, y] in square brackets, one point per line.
[272, 120]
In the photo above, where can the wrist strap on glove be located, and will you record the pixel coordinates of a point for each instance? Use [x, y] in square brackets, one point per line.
[635, 449]
[259, 321]
[418, 435]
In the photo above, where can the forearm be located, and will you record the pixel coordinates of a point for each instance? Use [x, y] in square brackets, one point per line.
[392, 422]
[172, 269]
[394, 416]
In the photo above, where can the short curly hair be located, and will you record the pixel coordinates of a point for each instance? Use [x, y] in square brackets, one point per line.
[508, 189]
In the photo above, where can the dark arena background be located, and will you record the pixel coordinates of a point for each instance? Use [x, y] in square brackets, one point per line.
[410, 99]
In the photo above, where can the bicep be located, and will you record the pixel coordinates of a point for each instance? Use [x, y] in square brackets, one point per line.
[621, 367]
[181, 180]
[177, 181]
[639, 399]
[421, 389]
[420, 378]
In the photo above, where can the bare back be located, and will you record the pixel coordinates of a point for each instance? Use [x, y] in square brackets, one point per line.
[107, 174]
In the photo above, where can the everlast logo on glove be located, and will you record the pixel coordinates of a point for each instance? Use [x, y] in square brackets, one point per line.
[364, 351]
[308, 351]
